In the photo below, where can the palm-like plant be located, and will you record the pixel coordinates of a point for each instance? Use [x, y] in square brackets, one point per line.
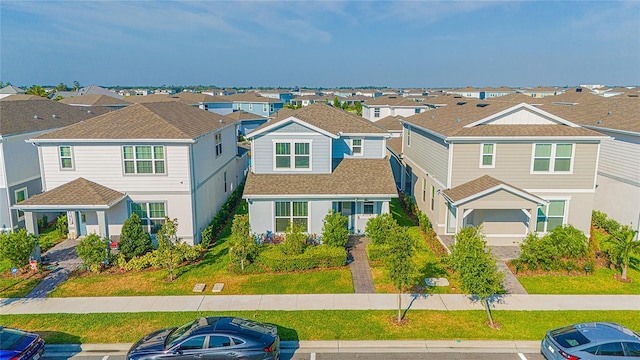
[622, 246]
[37, 90]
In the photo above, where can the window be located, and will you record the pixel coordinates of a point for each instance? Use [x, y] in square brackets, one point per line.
[552, 157]
[216, 341]
[433, 197]
[550, 216]
[301, 155]
[356, 147]
[416, 111]
[376, 112]
[194, 343]
[264, 107]
[66, 159]
[143, 159]
[151, 215]
[288, 212]
[633, 348]
[424, 190]
[250, 106]
[20, 196]
[218, 142]
[609, 349]
[238, 106]
[488, 154]
[224, 175]
[408, 136]
[368, 208]
[271, 108]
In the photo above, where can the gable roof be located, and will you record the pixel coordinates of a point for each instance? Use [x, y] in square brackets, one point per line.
[79, 193]
[391, 123]
[482, 186]
[392, 100]
[244, 115]
[163, 120]
[25, 116]
[10, 89]
[250, 97]
[327, 118]
[95, 100]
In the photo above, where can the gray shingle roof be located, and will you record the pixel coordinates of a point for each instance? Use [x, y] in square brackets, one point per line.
[79, 192]
[477, 186]
[94, 99]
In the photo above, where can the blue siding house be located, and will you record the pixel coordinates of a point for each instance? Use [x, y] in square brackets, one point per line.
[313, 160]
[255, 104]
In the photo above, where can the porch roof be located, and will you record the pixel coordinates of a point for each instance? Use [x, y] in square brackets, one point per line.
[349, 177]
[77, 194]
[482, 186]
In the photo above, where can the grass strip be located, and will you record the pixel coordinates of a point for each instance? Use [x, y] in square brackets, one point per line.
[320, 325]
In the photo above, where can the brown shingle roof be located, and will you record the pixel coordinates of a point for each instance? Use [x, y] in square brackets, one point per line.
[250, 97]
[94, 99]
[15, 97]
[395, 144]
[477, 186]
[79, 192]
[393, 100]
[244, 115]
[350, 177]
[391, 122]
[163, 120]
[24, 116]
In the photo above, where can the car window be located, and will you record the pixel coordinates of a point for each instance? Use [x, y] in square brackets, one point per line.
[193, 344]
[591, 350]
[569, 337]
[611, 349]
[633, 348]
[216, 341]
[237, 341]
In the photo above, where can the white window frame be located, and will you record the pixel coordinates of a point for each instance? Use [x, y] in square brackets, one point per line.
[353, 147]
[70, 157]
[424, 190]
[250, 106]
[265, 107]
[376, 112]
[218, 143]
[408, 135]
[492, 154]
[238, 106]
[146, 221]
[546, 215]
[15, 197]
[292, 155]
[432, 197]
[153, 161]
[373, 208]
[553, 158]
[291, 217]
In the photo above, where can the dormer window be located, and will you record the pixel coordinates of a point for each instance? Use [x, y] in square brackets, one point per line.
[356, 147]
[376, 112]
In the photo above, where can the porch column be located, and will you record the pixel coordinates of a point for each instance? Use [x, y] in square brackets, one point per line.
[103, 224]
[72, 224]
[460, 218]
[385, 207]
[30, 222]
[533, 218]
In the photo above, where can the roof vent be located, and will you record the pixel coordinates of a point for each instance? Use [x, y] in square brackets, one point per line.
[482, 105]
[221, 120]
[461, 102]
[599, 122]
[608, 112]
[458, 120]
[89, 112]
[36, 117]
[433, 116]
[54, 116]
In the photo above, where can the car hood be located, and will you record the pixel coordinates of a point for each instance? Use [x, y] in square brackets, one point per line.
[151, 343]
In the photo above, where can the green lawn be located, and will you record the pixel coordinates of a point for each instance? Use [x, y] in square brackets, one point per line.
[213, 269]
[320, 325]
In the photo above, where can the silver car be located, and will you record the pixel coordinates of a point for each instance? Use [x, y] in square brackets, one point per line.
[596, 340]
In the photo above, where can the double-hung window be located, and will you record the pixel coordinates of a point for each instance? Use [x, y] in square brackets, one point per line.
[424, 190]
[265, 107]
[408, 135]
[143, 159]
[368, 208]
[250, 106]
[433, 197]
[356, 147]
[20, 196]
[551, 216]
[218, 143]
[376, 112]
[151, 215]
[292, 155]
[288, 212]
[552, 158]
[283, 155]
[271, 108]
[66, 158]
[487, 159]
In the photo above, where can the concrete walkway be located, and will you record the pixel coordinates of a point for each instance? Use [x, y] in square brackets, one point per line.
[65, 258]
[360, 269]
[443, 302]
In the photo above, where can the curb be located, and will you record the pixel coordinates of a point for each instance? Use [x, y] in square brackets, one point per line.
[345, 346]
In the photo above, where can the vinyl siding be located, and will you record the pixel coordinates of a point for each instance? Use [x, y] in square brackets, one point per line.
[428, 152]
[373, 148]
[204, 153]
[614, 198]
[620, 157]
[264, 153]
[21, 158]
[513, 166]
[3, 176]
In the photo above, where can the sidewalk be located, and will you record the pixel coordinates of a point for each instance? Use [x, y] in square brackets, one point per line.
[445, 302]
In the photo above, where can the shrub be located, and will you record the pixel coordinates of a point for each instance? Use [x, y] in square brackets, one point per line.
[93, 251]
[601, 221]
[380, 228]
[295, 240]
[211, 232]
[570, 243]
[423, 222]
[16, 247]
[537, 252]
[61, 226]
[378, 252]
[133, 240]
[43, 223]
[314, 257]
[242, 243]
[334, 229]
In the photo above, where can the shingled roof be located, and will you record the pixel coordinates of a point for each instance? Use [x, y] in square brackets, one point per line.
[164, 120]
[350, 177]
[95, 100]
[477, 187]
[391, 123]
[244, 115]
[75, 194]
[393, 100]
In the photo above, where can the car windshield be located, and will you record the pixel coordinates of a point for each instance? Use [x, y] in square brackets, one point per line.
[569, 337]
[9, 339]
[178, 334]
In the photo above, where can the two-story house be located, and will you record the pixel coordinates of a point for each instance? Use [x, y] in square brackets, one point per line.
[283, 95]
[259, 105]
[392, 105]
[96, 100]
[315, 159]
[19, 163]
[511, 167]
[155, 160]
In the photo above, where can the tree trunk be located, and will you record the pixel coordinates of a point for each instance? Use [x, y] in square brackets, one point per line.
[624, 271]
[399, 306]
[486, 306]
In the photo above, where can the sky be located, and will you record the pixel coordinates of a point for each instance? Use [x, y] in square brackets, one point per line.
[425, 44]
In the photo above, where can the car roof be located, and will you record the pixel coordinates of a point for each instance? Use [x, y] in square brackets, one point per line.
[229, 325]
[604, 331]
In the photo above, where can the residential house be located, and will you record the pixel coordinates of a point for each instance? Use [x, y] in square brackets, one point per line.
[370, 93]
[541, 91]
[248, 121]
[216, 104]
[308, 92]
[285, 96]
[392, 105]
[91, 89]
[307, 100]
[96, 100]
[394, 145]
[506, 165]
[10, 90]
[155, 160]
[255, 104]
[489, 93]
[315, 159]
[468, 92]
[20, 174]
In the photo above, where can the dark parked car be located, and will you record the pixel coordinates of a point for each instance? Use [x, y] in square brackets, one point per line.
[596, 340]
[210, 338]
[20, 345]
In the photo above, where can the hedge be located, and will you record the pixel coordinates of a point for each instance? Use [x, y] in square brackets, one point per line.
[315, 257]
[212, 231]
[378, 252]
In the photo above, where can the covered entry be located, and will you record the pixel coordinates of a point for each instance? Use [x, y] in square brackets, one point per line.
[506, 213]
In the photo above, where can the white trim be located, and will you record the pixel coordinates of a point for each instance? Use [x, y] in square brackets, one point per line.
[290, 119]
[449, 166]
[296, 134]
[585, 191]
[595, 176]
[504, 187]
[541, 112]
[152, 160]
[292, 144]
[493, 155]
[60, 157]
[275, 197]
[15, 199]
[552, 159]
[383, 136]
[351, 146]
[121, 141]
[565, 216]
[23, 181]
[623, 132]
[474, 139]
[527, 214]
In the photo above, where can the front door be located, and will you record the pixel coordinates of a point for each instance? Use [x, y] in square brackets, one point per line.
[82, 223]
[347, 210]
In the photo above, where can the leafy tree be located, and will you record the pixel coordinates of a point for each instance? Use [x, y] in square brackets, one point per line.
[38, 91]
[76, 85]
[358, 107]
[400, 264]
[295, 240]
[62, 227]
[476, 267]
[58, 98]
[622, 246]
[334, 229]
[62, 87]
[134, 241]
[380, 227]
[93, 251]
[16, 247]
[167, 242]
[336, 101]
[242, 243]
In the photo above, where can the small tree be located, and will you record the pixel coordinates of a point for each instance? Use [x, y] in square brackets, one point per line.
[334, 229]
[167, 242]
[400, 264]
[61, 226]
[295, 240]
[242, 243]
[38, 91]
[133, 240]
[622, 245]
[76, 85]
[93, 251]
[336, 101]
[476, 267]
[17, 247]
[358, 107]
[379, 227]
